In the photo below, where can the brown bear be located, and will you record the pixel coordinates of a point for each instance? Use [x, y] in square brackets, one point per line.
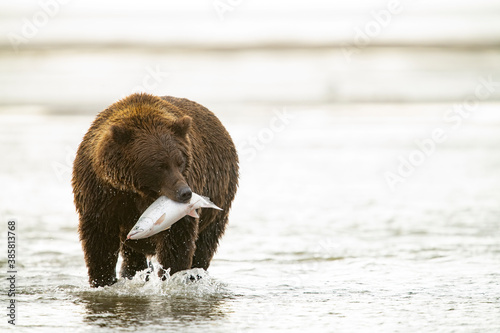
[138, 149]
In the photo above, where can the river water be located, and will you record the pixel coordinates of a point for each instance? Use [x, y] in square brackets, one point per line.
[317, 240]
[358, 217]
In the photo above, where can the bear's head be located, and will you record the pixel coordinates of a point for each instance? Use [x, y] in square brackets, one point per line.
[149, 155]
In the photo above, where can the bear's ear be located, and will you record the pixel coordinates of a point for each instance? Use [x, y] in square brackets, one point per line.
[121, 134]
[181, 126]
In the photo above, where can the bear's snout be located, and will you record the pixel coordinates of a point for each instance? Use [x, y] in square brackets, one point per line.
[184, 194]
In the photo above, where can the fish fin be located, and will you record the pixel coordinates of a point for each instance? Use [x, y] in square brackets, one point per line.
[209, 204]
[194, 214]
[161, 219]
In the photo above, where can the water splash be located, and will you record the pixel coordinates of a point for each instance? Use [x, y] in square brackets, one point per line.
[194, 282]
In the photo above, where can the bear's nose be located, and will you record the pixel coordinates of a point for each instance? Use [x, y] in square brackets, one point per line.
[184, 194]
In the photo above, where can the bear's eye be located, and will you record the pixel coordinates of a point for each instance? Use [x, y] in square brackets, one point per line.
[181, 164]
[162, 166]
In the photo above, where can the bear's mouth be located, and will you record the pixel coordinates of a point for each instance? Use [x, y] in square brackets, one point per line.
[149, 192]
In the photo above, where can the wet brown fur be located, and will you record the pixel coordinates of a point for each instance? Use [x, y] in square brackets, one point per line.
[136, 150]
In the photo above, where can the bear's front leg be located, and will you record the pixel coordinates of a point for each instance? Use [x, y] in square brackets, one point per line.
[175, 247]
[100, 246]
[208, 241]
[132, 262]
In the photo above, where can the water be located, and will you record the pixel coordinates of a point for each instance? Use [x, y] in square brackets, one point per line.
[316, 241]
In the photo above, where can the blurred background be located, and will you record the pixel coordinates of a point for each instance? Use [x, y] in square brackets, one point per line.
[368, 133]
[71, 56]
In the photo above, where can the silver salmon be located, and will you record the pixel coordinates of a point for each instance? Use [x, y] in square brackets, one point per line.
[163, 213]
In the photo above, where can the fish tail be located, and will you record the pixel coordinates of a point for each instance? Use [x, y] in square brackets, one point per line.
[208, 203]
